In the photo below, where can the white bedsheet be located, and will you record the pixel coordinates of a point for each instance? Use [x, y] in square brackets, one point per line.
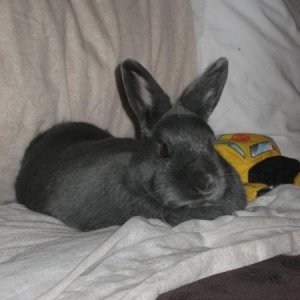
[43, 259]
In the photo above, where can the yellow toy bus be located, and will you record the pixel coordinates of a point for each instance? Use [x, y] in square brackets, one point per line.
[244, 151]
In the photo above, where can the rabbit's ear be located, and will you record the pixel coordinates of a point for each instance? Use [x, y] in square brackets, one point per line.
[147, 99]
[203, 94]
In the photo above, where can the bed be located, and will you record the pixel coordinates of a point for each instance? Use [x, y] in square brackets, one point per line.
[58, 62]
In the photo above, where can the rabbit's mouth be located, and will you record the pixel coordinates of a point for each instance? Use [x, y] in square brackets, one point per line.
[188, 203]
[198, 203]
[196, 198]
[173, 201]
[188, 195]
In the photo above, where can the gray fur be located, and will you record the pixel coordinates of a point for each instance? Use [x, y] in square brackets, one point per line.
[89, 179]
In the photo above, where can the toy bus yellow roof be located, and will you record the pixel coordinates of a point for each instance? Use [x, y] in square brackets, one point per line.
[247, 139]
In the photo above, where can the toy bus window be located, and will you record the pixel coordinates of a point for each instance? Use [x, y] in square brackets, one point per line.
[238, 149]
[260, 148]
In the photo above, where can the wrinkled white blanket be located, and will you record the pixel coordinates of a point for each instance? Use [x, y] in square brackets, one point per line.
[41, 258]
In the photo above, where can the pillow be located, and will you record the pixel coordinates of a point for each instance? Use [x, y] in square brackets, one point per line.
[58, 61]
[261, 39]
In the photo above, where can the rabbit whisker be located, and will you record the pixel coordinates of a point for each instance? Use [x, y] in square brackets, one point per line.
[144, 195]
[227, 174]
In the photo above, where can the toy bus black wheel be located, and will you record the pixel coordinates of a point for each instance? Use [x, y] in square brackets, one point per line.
[275, 170]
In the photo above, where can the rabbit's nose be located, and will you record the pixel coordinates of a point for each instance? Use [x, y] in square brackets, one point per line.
[205, 186]
[210, 184]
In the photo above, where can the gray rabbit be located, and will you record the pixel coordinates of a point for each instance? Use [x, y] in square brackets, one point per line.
[89, 179]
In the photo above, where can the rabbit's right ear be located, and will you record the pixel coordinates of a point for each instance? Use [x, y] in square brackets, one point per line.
[203, 94]
[147, 99]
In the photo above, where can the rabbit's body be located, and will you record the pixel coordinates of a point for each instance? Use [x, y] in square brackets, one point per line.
[72, 166]
[83, 176]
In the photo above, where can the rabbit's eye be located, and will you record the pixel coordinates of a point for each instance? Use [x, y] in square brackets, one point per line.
[164, 151]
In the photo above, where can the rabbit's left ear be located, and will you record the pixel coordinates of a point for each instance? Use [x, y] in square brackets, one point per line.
[203, 94]
[147, 99]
